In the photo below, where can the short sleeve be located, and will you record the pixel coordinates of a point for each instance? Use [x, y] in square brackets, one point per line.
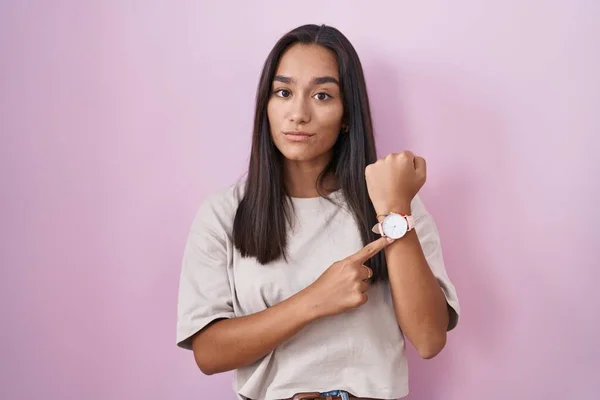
[204, 287]
[429, 239]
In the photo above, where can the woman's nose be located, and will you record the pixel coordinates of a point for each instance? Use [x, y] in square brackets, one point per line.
[299, 111]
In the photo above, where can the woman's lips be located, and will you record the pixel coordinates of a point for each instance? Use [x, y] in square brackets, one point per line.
[298, 136]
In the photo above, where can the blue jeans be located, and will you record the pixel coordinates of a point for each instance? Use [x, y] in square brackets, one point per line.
[341, 393]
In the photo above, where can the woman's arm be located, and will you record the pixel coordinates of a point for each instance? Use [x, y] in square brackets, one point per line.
[229, 344]
[419, 302]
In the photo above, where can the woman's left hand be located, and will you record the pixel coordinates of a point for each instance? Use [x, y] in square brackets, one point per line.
[394, 181]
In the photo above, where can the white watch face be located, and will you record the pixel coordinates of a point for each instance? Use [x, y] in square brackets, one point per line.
[394, 226]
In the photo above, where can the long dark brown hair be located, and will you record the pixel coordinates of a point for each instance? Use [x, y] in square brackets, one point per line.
[263, 215]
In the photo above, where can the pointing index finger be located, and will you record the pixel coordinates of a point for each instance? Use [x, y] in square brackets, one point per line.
[370, 250]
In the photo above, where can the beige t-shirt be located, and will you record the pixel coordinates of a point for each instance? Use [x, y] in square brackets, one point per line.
[361, 351]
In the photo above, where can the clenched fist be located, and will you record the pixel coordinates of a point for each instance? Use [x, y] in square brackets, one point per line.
[395, 180]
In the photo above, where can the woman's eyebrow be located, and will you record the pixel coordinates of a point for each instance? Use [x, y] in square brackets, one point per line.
[325, 79]
[315, 81]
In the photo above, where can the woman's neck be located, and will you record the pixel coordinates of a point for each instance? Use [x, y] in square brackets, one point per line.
[301, 177]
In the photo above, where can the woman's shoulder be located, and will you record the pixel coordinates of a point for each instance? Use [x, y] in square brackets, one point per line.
[218, 207]
[225, 199]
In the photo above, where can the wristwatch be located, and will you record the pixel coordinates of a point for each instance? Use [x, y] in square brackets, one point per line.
[394, 225]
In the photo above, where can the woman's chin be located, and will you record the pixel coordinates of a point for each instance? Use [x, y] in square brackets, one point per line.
[301, 155]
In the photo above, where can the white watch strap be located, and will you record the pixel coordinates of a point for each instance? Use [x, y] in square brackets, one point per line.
[411, 222]
[377, 228]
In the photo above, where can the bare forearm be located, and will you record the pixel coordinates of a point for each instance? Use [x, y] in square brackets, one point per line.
[419, 302]
[233, 343]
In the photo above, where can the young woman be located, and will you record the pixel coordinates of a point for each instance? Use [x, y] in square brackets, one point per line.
[307, 276]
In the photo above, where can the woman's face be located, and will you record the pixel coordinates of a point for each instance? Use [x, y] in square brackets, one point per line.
[305, 109]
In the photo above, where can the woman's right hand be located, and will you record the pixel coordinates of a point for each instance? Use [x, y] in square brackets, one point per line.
[344, 284]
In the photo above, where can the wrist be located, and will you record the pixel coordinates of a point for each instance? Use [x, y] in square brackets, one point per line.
[398, 208]
[307, 305]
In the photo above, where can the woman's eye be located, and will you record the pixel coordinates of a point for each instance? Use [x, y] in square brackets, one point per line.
[322, 96]
[282, 93]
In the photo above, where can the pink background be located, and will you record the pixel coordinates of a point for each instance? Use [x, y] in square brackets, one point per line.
[117, 117]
